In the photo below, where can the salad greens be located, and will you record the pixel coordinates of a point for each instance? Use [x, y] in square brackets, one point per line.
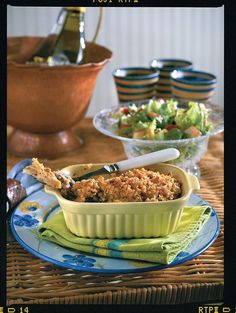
[163, 120]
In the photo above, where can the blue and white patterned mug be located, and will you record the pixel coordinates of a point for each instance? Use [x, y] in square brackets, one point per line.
[166, 66]
[135, 83]
[193, 85]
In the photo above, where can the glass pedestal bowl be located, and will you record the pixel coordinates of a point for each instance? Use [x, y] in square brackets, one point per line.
[191, 150]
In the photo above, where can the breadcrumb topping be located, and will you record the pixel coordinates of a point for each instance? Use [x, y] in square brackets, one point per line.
[137, 185]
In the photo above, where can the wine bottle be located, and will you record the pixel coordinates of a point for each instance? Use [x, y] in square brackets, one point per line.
[45, 48]
[70, 43]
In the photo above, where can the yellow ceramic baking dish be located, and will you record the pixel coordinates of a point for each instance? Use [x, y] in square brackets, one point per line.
[126, 219]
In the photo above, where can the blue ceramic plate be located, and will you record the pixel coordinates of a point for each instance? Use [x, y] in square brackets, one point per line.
[39, 206]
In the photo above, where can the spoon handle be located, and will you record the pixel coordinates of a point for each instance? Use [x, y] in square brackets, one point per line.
[150, 158]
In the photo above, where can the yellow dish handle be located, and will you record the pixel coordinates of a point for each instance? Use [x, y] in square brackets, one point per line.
[194, 182]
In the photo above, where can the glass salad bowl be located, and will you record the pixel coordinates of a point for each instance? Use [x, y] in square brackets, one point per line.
[191, 149]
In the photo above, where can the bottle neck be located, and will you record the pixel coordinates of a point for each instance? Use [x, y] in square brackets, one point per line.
[74, 21]
[71, 41]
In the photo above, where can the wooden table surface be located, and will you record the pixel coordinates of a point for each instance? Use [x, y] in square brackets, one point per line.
[197, 279]
[96, 148]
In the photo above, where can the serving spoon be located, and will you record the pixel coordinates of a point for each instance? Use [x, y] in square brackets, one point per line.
[143, 160]
[68, 181]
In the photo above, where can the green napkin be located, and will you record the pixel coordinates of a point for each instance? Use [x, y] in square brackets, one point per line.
[161, 250]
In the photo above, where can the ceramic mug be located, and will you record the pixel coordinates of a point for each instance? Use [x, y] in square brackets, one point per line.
[193, 85]
[165, 67]
[135, 83]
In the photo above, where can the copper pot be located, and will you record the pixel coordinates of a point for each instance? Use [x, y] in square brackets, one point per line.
[44, 102]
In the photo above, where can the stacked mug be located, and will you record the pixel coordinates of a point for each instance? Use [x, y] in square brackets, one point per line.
[166, 67]
[165, 78]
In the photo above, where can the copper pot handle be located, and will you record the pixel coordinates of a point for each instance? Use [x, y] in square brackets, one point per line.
[98, 24]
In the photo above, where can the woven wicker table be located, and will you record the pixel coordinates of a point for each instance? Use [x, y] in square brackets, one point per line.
[34, 281]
